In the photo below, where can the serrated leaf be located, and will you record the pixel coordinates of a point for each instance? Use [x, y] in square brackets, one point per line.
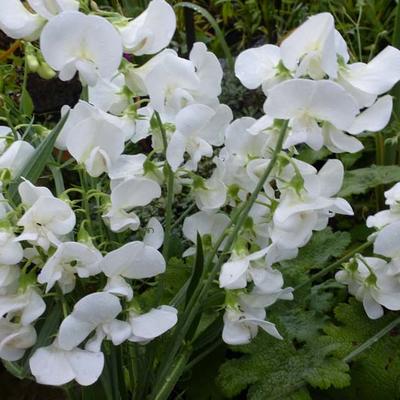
[359, 181]
[323, 246]
[375, 373]
[273, 369]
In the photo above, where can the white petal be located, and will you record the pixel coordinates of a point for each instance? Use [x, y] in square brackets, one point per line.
[154, 323]
[135, 192]
[379, 75]
[17, 22]
[374, 118]
[30, 193]
[323, 100]
[314, 35]
[176, 150]
[88, 313]
[254, 66]
[151, 31]
[154, 234]
[233, 274]
[16, 157]
[134, 260]
[53, 366]
[119, 287]
[387, 241]
[337, 141]
[373, 309]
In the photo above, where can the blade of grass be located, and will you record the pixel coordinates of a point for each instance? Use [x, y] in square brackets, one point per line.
[217, 29]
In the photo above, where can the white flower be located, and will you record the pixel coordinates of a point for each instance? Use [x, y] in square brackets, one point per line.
[125, 167]
[46, 218]
[368, 279]
[366, 81]
[310, 49]
[49, 8]
[242, 326]
[134, 260]
[152, 324]
[385, 217]
[211, 195]
[69, 259]
[118, 286]
[96, 143]
[89, 44]
[151, 31]
[234, 273]
[9, 279]
[53, 365]
[258, 67]
[28, 305]
[108, 95]
[387, 241]
[131, 193]
[298, 214]
[204, 223]
[16, 157]
[17, 22]
[305, 103]
[198, 127]
[173, 82]
[15, 339]
[84, 111]
[268, 288]
[10, 251]
[88, 314]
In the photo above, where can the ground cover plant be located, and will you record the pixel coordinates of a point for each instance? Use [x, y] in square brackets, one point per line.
[182, 224]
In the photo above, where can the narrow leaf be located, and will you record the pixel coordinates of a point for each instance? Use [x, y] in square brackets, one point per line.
[36, 164]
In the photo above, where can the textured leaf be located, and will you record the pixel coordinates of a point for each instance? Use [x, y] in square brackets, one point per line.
[359, 181]
[274, 369]
[375, 373]
[323, 246]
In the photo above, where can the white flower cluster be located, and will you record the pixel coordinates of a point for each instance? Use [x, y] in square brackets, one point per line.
[47, 224]
[376, 280]
[308, 81]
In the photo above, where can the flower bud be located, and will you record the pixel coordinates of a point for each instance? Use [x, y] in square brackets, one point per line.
[45, 71]
[32, 63]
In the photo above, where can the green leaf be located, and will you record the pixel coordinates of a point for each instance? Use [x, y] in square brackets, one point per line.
[218, 33]
[323, 246]
[274, 369]
[359, 181]
[375, 373]
[36, 164]
[197, 269]
[319, 250]
[26, 104]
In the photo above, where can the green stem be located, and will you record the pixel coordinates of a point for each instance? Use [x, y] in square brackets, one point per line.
[332, 266]
[372, 340]
[201, 291]
[170, 191]
[172, 378]
[183, 215]
[86, 205]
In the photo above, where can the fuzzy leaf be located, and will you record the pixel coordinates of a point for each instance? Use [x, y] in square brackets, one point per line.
[375, 373]
[273, 369]
[359, 181]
